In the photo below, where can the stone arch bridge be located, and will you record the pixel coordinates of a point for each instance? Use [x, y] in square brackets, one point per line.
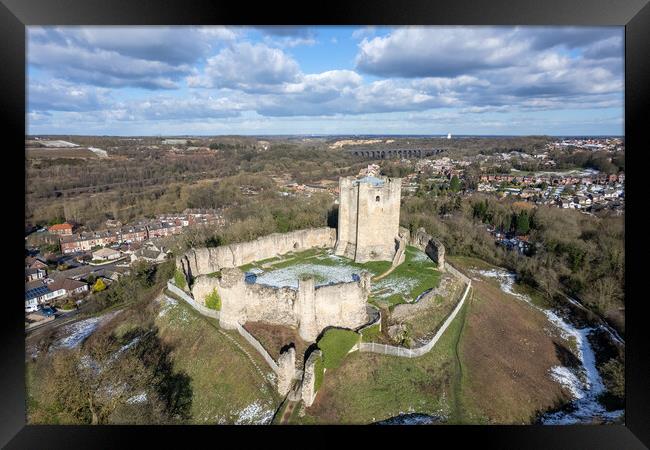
[395, 153]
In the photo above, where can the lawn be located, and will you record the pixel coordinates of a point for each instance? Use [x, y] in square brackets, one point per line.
[368, 387]
[227, 388]
[335, 345]
[417, 274]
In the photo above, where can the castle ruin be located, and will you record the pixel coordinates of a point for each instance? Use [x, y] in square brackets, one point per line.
[368, 230]
[368, 222]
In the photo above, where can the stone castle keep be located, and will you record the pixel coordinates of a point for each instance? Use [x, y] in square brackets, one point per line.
[368, 225]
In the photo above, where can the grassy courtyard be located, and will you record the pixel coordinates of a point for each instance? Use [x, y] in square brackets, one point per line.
[410, 279]
[416, 275]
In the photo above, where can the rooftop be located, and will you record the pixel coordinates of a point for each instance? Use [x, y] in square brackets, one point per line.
[371, 180]
[105, 252]
[60, 226]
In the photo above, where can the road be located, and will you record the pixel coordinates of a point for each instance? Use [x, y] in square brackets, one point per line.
[60, 319]
[84, 270]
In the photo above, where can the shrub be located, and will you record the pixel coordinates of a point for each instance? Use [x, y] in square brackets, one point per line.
[99, 285]
[213, 301]
[179, 279]
[68, 305]
[613, 372]
[335, 345]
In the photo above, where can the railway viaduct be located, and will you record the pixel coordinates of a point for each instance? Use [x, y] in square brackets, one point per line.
[395, 153]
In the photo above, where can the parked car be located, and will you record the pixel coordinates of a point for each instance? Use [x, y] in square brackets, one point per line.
[47, 311]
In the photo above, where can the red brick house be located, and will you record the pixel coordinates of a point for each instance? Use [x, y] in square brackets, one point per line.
[62, 229]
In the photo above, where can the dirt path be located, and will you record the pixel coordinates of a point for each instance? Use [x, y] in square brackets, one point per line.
[385, 274]
[458, 373]
[290, 404]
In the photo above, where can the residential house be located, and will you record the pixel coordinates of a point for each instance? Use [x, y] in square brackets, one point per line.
[35, 263]
[69, 286]
[35, 274]
[106, 254]
[137, 233]
[151, 253]
[62, 229]
[38, 292]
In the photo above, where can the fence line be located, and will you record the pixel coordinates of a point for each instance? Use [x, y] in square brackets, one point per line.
[199, 307]
[414, 353]
[260, 349]
[215, 315]
[451, 269]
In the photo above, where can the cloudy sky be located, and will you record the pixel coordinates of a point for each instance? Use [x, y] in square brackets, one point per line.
[325, 80]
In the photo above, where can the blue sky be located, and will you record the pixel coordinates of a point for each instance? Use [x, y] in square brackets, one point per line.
[325, 80]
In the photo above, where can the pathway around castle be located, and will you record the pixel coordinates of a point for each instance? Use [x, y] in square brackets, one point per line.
[292, 400]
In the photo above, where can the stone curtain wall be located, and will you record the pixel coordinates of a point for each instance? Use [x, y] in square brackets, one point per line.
[202, 261]
[341, 305]
[287, 370]
[259, 347]
[199, 307]
[309, 378]
[429, 245]
[310, 308]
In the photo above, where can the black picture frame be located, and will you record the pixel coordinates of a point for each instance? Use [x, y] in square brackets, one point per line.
[15, 15]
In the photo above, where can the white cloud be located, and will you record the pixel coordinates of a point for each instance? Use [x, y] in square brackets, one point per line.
[247, 67]
[232, 73]
[145, 57]
[438, 51]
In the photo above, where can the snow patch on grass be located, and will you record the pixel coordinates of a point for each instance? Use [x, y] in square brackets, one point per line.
[254, 414]
[140, 398]
[389, 286]
[568, 379]
[587, 385]
[288, 276]
[167, 303]
[77, 332]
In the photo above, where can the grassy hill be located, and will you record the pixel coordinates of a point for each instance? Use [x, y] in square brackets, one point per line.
[490, 366]
[162, 353]
[228, 387]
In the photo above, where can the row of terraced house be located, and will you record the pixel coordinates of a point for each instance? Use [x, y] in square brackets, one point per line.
[563, 180]
[165, 225]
